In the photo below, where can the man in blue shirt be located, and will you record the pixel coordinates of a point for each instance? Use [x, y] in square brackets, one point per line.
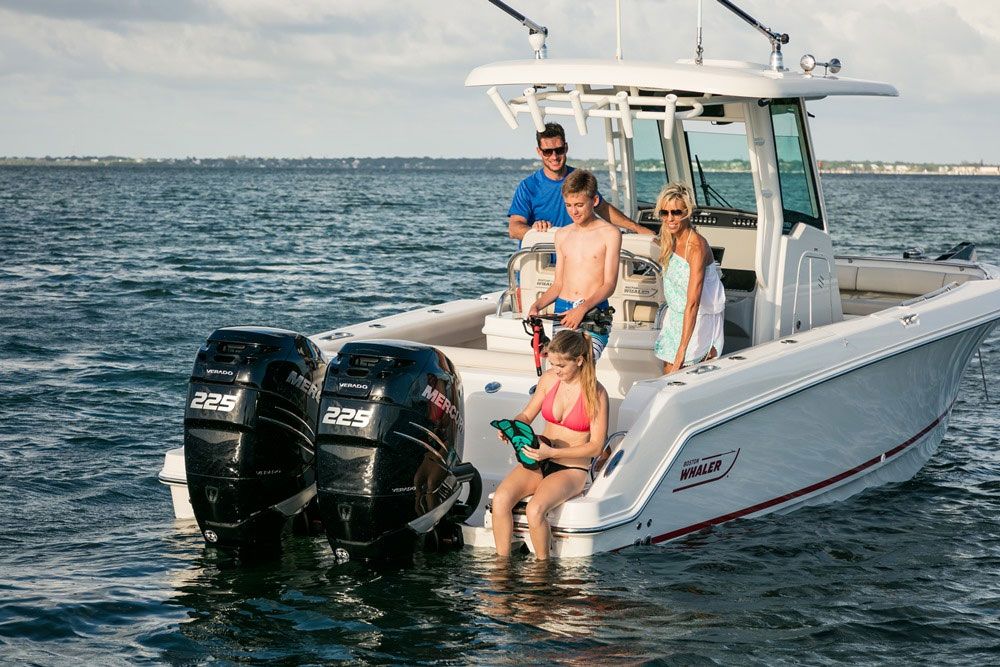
[538, 201]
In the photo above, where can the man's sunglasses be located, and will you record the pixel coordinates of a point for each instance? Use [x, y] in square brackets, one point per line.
[558, 150]
[676, 212]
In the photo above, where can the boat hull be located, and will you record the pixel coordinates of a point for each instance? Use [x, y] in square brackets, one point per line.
[877, 423]
[808, 419]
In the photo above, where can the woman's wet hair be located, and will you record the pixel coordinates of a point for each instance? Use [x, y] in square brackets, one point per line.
[672, 192]
[574, 344]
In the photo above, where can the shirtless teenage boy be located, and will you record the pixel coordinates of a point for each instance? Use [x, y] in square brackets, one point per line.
[587, 256]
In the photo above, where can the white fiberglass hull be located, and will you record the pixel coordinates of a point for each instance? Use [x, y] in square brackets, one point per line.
[873, 425]
[839, 409]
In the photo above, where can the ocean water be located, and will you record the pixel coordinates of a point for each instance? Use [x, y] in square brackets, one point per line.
[110, 279]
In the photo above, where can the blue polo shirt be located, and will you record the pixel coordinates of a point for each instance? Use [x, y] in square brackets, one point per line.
[538, 197]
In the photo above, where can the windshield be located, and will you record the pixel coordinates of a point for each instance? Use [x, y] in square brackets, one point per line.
[650, 171]
[720, 165]
[798, 190]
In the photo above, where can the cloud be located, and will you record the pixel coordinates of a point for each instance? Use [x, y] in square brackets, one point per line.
[144, 11]
[369, 65]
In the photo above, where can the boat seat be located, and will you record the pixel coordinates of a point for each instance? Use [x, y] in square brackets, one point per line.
[865, 289]
[520, 510]
[627, 358]
[636, 298]
[858, 304]
[596, 465]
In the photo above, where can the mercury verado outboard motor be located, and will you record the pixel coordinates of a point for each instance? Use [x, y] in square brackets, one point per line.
[249, 434]
[389, 451]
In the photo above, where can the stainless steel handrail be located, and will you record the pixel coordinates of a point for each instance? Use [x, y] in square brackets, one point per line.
[609, 446]
[548, 249]
[930, 295]
[660, 314]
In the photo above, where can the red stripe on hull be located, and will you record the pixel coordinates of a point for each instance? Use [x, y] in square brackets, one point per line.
[803, 491]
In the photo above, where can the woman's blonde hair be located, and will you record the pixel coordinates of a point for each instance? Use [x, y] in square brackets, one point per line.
[572, 344]
[670, 192]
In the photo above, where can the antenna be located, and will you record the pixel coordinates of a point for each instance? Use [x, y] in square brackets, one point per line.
[698, 51]
[618, 29]
[536, 33]
[776, 62]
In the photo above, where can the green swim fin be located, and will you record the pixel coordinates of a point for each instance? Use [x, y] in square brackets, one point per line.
[520, 435]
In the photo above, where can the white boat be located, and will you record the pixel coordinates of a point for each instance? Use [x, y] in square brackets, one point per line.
[838, 373]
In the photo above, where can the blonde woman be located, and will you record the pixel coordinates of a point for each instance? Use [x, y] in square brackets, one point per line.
[575, 407]
[696, 302]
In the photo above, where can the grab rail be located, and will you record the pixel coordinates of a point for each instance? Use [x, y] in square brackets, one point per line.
[609, 448]
[538, 248]
[660, 314]
[812, 257]
[548, 249]
[930, 295]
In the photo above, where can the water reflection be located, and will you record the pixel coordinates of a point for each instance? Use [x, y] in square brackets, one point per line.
[304, 606]
[681, 602]
[542, 595]
[546, 604]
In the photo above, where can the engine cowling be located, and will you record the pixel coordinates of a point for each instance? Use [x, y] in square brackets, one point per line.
[249, 434]
[389, 450]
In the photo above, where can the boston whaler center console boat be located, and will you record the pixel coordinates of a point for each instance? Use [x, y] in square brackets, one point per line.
[839, 373]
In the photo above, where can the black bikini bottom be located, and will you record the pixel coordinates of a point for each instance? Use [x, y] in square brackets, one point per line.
[548, 466]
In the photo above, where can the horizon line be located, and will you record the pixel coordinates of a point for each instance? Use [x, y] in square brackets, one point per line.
[190, 158]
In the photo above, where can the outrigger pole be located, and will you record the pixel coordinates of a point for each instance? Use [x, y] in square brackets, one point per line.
[536, 33]
[776, 38]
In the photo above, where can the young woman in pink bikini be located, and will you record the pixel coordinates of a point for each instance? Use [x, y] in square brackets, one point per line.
[575, 408]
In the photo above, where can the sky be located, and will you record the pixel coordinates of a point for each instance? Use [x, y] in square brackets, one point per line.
[337, 78]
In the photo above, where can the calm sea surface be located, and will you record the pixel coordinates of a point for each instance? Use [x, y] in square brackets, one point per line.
[110, 279]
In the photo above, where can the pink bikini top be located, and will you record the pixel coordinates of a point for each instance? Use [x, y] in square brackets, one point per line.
[575, 420]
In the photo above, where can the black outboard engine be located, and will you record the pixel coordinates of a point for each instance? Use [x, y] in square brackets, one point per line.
[389, 451]
[249, 434]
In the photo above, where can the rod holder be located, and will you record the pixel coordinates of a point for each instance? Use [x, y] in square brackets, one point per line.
[625, 113]
[578, 115]
[669, 111]
[536, 113]
[502, 107]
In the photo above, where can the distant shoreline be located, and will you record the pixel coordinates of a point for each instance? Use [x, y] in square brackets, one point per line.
[503, 164]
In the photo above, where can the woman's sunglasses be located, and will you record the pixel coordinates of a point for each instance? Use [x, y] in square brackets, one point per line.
[676, 212]
[558, 150]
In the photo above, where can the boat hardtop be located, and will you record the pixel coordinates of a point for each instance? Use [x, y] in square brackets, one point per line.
[728, 78]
